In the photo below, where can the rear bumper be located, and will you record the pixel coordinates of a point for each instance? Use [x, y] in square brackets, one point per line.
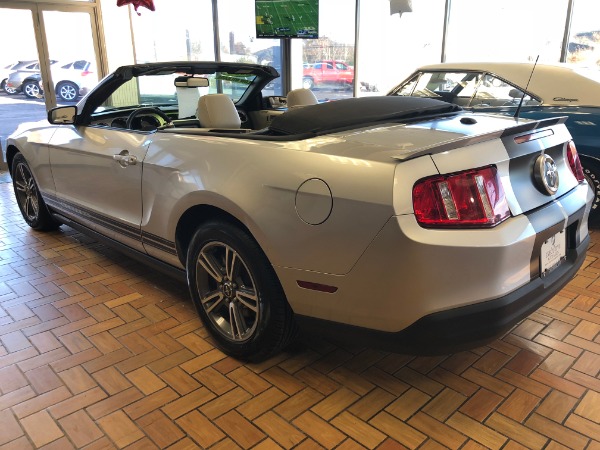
[433, 292]
[463, 327]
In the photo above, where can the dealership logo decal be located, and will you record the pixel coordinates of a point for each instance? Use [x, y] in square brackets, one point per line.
[546, 174]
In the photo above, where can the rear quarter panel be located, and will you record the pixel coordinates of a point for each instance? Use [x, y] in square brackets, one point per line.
[257, 181]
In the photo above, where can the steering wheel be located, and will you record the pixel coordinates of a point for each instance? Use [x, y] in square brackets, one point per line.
[148, 111]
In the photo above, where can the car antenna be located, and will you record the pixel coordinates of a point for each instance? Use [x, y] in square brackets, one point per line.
[516, 116]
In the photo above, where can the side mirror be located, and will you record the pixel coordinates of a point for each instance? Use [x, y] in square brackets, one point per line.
[62, 115]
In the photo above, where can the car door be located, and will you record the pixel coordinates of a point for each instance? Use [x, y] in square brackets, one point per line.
[97, 174]
[329, 73]
[345, 75]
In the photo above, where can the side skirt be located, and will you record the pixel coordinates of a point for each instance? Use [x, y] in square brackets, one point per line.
[167, 269]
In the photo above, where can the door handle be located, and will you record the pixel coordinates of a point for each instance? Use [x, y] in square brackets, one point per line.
[125, 159]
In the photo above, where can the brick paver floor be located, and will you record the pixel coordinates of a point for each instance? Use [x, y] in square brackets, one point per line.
[99, 352]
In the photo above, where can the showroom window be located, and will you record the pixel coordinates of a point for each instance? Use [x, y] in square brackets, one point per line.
[238, 42]
[75, 72]
[510, 30]
[326, 64]
[393, 46]
[584, 41]
[179, 30]
[11, 20]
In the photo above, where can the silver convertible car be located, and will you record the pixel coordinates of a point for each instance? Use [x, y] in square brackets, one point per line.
[403, 222]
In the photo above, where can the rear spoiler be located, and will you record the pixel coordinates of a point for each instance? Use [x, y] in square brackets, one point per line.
[518, 128]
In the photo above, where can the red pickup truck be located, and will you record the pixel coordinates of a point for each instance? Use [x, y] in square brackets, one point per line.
[328, 72]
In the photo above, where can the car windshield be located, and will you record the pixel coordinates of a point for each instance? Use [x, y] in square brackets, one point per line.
[470, 89]
[437, 84]
[160, 90]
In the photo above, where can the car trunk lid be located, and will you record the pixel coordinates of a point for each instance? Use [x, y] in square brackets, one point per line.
[465, 141]
[531, 159]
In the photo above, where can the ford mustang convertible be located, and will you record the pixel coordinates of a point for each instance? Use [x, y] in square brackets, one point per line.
[401, 222]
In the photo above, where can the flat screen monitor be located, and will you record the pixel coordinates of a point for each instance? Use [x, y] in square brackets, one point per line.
[287, 19]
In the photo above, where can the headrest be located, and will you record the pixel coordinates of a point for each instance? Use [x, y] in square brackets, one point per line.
[301, 97]
[217, 111]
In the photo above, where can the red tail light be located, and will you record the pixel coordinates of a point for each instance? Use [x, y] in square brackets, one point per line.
[86, 72]
[574, 162]
[473, 198]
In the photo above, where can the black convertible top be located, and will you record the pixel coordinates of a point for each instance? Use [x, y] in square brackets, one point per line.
[356, 112]
[196, 67]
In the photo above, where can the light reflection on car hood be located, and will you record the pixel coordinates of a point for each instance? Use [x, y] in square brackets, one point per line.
[410, 139]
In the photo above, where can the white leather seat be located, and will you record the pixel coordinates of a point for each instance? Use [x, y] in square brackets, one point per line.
[301, 97]
[217, 111]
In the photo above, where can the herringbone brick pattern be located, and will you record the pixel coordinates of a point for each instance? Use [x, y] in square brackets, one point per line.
[99, 352]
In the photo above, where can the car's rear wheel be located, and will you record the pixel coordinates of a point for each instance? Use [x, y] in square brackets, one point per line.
[28, 197]
[591, 170]
[9, 90]
[32, 89]
[67, 91]
[237, 293]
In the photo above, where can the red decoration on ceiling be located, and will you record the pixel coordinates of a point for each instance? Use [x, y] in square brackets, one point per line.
[137, 3]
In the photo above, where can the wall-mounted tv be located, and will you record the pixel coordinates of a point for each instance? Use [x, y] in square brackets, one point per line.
[287, 19]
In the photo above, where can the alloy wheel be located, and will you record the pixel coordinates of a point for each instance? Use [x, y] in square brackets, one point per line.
[26, 191]
[227, 291]
[67, 92]
[31, 90]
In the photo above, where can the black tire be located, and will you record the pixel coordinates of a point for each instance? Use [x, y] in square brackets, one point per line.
[591, 170]
[237, 293]
[31, 89]
[3, 85]
[28, 197]
[67, 91]
[308, 83]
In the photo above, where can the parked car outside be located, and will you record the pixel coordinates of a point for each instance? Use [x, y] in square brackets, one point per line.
[327, 72]
[549, 90]
[74, 79]
[71, 80]
[17, 78]
[32, 86]
[4, 72]
[14, 81]
[9, 70]
[405, 222]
